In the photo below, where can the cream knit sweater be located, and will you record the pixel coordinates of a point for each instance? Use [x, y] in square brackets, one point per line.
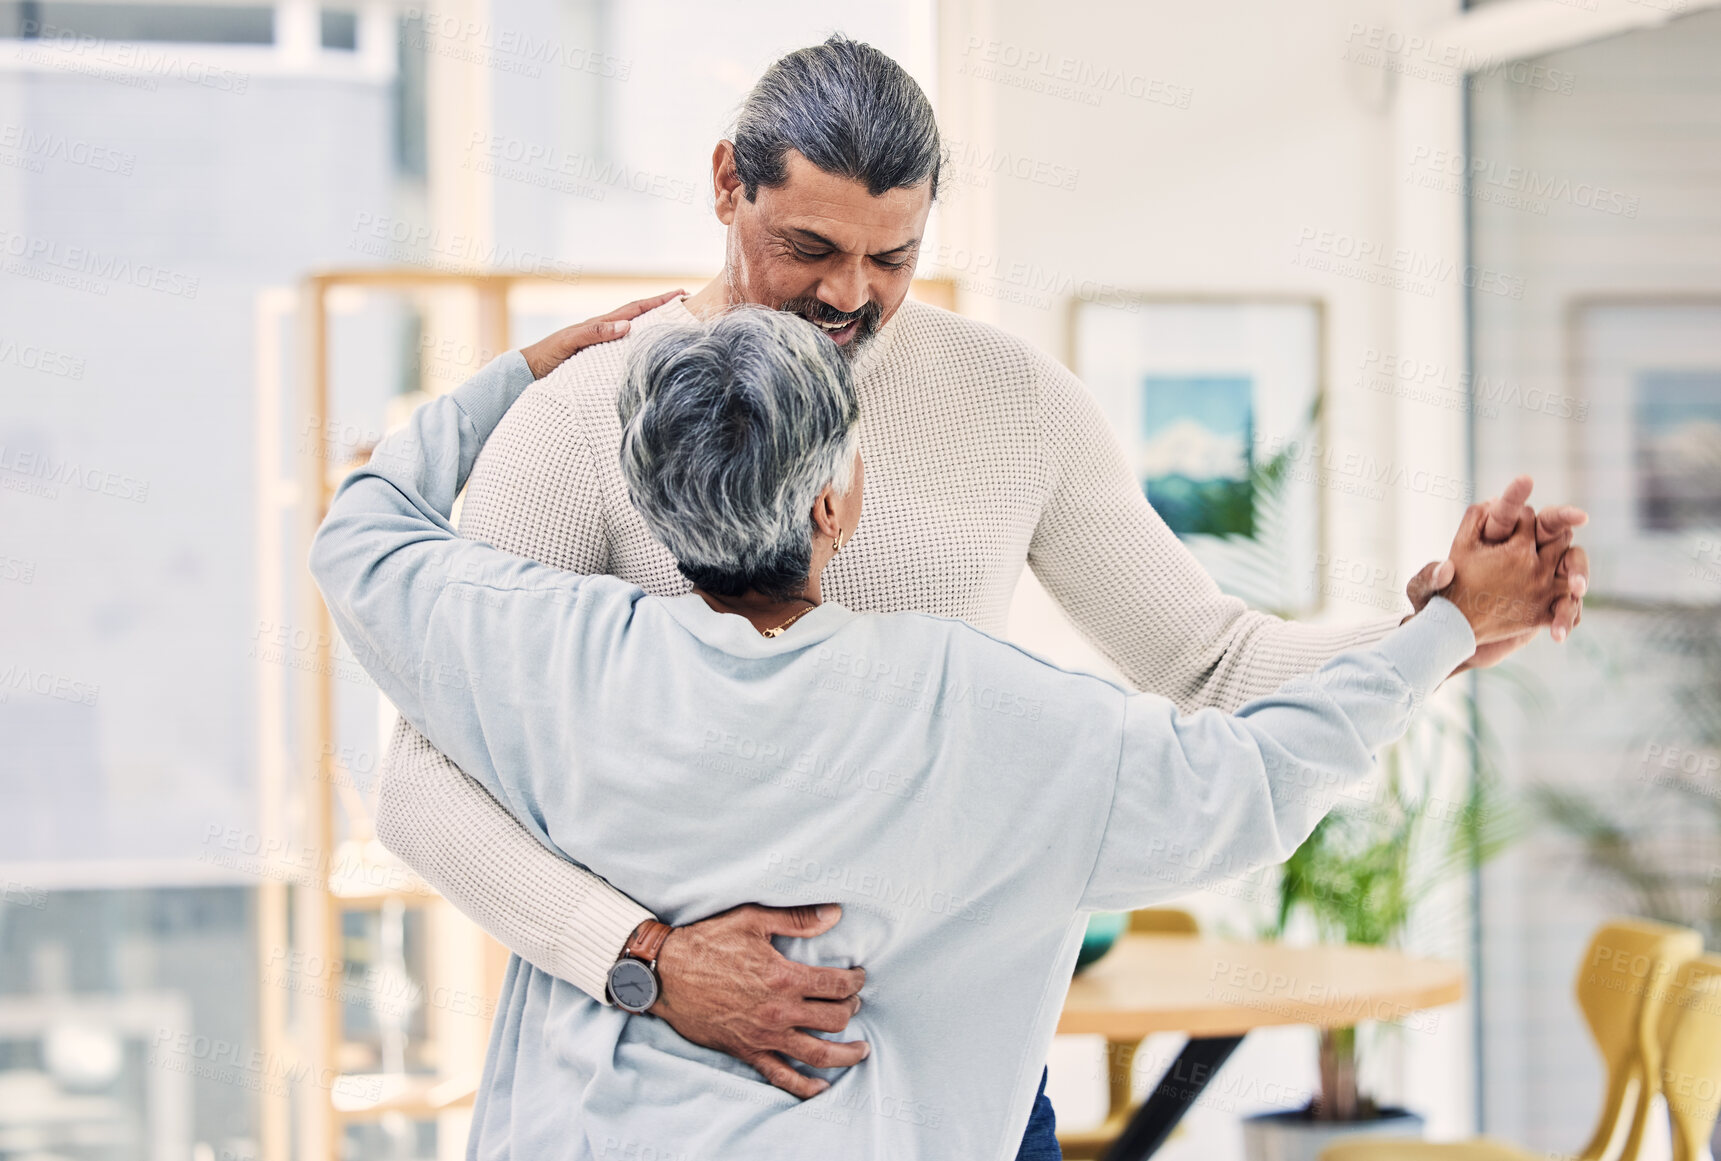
[981, 455]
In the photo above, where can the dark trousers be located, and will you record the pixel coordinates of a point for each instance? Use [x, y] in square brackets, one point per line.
[1040, 1142]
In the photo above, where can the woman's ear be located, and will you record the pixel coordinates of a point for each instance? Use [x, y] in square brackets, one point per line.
[826, 512]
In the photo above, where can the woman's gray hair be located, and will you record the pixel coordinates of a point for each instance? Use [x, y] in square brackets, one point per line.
[847, 108]
[730, 430]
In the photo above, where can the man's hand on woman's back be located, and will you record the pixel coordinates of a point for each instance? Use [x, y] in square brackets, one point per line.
[726, 986]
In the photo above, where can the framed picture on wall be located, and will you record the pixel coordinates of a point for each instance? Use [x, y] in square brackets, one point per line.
[1648, 456]
[1212, 399]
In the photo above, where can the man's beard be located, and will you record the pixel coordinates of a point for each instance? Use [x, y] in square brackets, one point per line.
[819, 312]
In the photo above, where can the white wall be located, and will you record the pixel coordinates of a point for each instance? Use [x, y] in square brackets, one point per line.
[621, 176]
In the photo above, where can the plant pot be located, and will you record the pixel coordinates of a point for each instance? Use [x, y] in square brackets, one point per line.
[1299, 1137]
[1104, 927]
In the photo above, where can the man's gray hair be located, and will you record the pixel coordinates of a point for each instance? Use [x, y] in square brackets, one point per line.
[730, 430]
[847, 108]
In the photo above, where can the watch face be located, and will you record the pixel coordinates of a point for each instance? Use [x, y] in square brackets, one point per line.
[633, 985]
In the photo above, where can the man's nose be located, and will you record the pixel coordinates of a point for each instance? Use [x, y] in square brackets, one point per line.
[845, 289]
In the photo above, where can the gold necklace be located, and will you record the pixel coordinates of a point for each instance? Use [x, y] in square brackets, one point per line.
[777, 630]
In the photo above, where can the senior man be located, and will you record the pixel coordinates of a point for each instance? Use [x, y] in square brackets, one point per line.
[983, 455]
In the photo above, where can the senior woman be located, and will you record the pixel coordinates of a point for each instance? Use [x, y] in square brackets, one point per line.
[967, 802]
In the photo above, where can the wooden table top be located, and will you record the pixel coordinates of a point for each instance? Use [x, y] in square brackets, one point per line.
[1217, 987]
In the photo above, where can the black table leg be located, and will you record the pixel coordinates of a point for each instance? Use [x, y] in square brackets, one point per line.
[1179, 1088]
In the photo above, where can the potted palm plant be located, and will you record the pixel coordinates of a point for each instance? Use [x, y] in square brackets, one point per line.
[1357, 880]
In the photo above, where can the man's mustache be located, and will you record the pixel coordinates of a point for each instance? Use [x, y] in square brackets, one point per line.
[823, 312]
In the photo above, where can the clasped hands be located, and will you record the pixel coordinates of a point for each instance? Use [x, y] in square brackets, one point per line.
[1512, 571]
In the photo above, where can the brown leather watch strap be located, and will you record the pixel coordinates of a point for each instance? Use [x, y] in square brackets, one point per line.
[646, 941]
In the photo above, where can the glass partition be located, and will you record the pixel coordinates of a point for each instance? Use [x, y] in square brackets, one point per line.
[1604, 380]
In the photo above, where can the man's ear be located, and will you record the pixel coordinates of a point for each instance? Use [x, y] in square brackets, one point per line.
[726, 185]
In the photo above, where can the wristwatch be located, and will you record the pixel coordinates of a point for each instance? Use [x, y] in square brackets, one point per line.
[633, 982]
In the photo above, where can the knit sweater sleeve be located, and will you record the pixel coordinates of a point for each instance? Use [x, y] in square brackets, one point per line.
[443, 824]
[558, 917]
[1134, 590]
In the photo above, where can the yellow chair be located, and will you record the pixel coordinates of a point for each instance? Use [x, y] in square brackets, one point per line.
[1691, 1055]
[1163, 921]
[1091, 1144]
[1622, 987]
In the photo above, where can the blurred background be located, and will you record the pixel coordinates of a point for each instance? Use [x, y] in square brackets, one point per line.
[1335, 269]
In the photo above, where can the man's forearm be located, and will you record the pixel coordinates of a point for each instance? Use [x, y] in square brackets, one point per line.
[1138, 594]
[558, 917]
[1257, 653]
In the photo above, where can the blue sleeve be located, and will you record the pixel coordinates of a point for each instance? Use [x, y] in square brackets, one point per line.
[444, 625]
[1205, 797]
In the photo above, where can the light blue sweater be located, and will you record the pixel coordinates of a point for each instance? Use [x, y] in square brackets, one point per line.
[966, 802]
